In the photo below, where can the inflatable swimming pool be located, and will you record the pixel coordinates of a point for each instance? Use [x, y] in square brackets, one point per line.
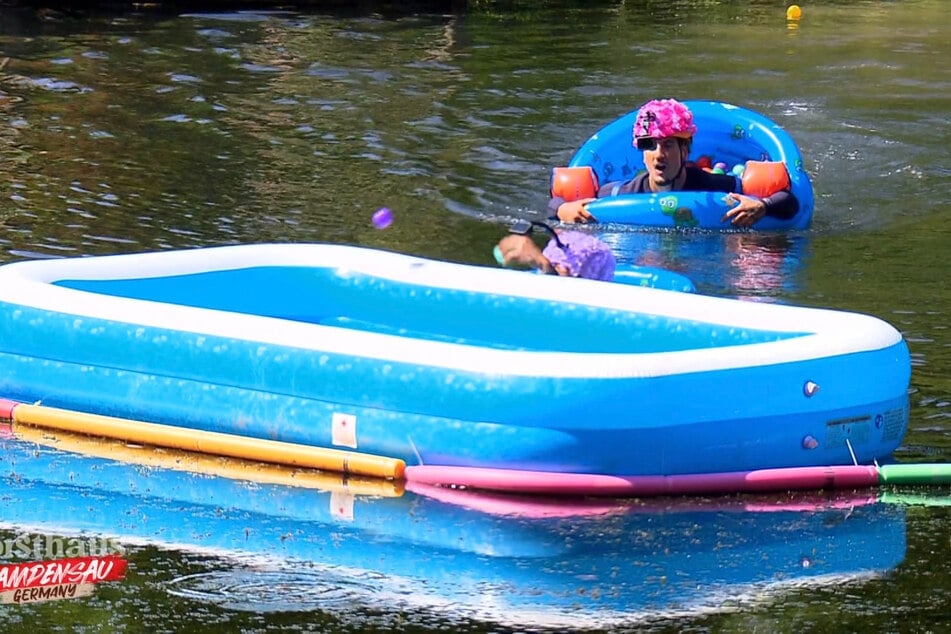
[726, 134]
[445, 364]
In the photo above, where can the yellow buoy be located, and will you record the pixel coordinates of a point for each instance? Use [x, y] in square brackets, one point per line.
[793, 12]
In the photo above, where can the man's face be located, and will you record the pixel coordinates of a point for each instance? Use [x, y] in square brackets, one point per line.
[664, 162]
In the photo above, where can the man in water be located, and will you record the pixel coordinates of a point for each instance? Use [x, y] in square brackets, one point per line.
[663, 131]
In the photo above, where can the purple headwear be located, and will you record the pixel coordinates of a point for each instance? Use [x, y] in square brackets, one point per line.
[583, 255]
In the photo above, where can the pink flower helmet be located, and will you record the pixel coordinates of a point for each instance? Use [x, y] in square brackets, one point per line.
[662, 118]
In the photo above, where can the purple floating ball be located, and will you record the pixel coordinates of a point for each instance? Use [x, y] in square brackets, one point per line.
[382, 218]
[720, 165]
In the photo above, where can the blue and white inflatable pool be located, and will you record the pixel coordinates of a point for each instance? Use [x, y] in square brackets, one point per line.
[438, 363]
[726, 133]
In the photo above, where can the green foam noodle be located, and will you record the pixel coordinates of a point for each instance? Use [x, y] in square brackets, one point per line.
[914, 473]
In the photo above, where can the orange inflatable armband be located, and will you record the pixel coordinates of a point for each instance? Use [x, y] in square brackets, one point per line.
[574, 183]
[762, 178]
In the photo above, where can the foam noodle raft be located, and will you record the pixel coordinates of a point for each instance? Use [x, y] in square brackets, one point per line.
[725, 133]
[447, 364]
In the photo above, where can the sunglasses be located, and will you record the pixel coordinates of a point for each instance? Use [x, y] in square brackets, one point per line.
[646, 143]
[525, 227]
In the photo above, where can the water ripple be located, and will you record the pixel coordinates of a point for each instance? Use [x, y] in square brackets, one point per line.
[283, 590]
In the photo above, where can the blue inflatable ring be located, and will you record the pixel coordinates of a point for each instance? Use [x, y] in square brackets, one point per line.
[726, 133]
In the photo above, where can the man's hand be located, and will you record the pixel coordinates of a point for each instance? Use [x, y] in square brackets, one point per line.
[518, 250]
[748, 210]
[575, 211]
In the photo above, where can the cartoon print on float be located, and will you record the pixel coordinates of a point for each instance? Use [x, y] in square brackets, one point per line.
[683, 216]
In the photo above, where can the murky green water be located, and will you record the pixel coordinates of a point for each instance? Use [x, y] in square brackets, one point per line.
[143, 131]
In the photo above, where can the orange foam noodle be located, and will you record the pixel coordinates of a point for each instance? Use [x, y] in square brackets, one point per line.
[199, 441]
[207, 464]
[574, 183]
[763, 178]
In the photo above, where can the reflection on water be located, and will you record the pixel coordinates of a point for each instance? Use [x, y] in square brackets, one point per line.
[447, 554]
[758, 266]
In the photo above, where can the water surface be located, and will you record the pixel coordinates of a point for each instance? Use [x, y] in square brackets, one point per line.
[136, 131]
